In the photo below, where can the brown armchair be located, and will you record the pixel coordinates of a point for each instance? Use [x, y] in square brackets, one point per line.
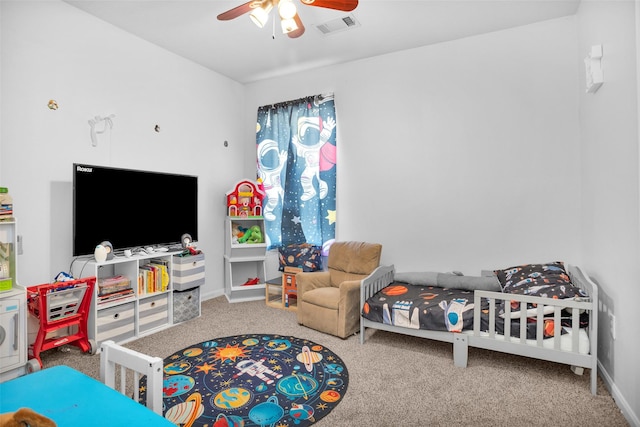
[329, 301]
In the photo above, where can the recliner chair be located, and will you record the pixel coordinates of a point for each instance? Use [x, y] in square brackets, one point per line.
[329, 301]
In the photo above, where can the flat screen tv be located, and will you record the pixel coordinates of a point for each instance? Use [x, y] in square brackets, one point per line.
[131, 208]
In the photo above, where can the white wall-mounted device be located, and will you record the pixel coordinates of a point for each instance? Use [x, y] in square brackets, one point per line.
[593, 68]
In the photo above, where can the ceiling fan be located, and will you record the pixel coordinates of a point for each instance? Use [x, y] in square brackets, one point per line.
[289, 18]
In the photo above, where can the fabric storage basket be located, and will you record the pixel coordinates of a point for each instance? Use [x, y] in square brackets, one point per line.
[154, 312]
[116, 323]
[186, 305]
[188, 272]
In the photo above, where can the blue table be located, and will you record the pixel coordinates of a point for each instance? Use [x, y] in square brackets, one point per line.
[71, 398]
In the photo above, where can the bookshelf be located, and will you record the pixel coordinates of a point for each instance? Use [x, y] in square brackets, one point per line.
[132, 297]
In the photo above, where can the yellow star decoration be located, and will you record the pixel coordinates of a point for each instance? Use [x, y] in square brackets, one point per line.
[321, 406]
[205, 368]
[331, 216]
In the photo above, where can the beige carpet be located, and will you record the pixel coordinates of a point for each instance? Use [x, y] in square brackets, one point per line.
[401, 381]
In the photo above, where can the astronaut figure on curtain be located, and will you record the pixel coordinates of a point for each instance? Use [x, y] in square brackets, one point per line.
[311, 153]
[270, 175]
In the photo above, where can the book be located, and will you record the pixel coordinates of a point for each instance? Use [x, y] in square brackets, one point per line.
[115, 296]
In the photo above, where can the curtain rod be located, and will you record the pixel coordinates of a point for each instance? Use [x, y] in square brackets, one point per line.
[309, 98]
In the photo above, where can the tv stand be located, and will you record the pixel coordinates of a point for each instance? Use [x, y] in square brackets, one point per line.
[148, 309]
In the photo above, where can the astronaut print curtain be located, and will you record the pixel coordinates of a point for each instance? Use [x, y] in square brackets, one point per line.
[296, 153]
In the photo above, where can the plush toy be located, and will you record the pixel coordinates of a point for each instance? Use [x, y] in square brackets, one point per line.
[256, 235]
[252, 235]
[237, 232]
[25, 417]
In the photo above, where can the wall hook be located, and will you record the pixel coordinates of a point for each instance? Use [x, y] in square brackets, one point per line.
[107, 122]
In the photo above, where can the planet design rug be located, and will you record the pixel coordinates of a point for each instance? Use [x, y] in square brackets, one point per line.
[252, 380]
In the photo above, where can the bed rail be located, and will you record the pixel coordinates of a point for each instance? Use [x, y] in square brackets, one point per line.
[505, 342]
[370, 285]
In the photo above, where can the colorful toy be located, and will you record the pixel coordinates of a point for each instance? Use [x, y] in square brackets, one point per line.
[245, 200]
[237, 232]
[252, 235]
[251, 281]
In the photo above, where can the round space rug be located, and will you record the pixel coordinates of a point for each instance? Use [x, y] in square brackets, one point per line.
[252, 380]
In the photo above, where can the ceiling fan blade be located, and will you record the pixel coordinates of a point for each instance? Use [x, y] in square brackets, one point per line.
[239, 10]
[345, 5]
[300, 31]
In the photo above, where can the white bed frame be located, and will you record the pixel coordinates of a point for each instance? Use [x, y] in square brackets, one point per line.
[545, 349]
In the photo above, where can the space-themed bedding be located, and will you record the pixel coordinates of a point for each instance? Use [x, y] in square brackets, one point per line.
[421, 307]
[552, 310]
[445, 301]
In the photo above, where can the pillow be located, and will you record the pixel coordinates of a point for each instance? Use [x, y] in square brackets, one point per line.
[426, 278]
[469, 283]
[305, 256]
[548, 280]
[449, 280]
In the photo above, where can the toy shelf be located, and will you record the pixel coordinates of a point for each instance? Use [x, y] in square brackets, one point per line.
[244, 263]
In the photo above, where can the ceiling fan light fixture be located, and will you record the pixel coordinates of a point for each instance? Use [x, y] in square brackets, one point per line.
[260, 15]
[288, 25]
[287, 9]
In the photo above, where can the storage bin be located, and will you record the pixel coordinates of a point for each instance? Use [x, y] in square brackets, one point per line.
[154, 312]
[6, 284]
[116, 323]
[188, 272]
[186, 305]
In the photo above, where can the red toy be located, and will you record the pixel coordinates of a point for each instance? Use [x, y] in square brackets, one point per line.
[245, 199]
[58, 306]
[251, 282]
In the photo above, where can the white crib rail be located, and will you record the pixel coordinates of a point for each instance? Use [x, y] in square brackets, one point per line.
[370, 285]
[491, 340]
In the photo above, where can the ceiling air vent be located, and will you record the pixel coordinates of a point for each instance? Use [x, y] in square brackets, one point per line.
[339, 24]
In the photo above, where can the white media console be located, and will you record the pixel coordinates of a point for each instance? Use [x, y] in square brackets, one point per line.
[147, 309]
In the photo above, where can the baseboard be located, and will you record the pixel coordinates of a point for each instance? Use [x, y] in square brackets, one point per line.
[627, 412]
[211, 295]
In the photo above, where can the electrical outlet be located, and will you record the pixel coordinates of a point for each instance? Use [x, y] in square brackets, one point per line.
[612, 325]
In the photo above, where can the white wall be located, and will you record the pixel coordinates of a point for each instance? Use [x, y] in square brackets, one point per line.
[51, 50]
[495, 156]
[493, 148]
[610, 211]
[458, 156]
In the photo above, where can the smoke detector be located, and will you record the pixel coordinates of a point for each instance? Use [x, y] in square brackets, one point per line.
[339, 24]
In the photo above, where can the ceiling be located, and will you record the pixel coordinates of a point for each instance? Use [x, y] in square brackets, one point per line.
[243, 52]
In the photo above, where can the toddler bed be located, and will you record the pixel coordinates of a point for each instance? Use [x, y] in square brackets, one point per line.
[544, 311]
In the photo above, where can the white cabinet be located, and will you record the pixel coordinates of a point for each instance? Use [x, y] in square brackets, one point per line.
[126, 316]
[244, 262]
[13, 308]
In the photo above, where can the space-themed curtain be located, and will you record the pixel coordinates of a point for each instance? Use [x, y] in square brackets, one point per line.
[296, 153]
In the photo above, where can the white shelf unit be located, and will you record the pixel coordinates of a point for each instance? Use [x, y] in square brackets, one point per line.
[244, 261]
[13, 309]
[134, 316]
